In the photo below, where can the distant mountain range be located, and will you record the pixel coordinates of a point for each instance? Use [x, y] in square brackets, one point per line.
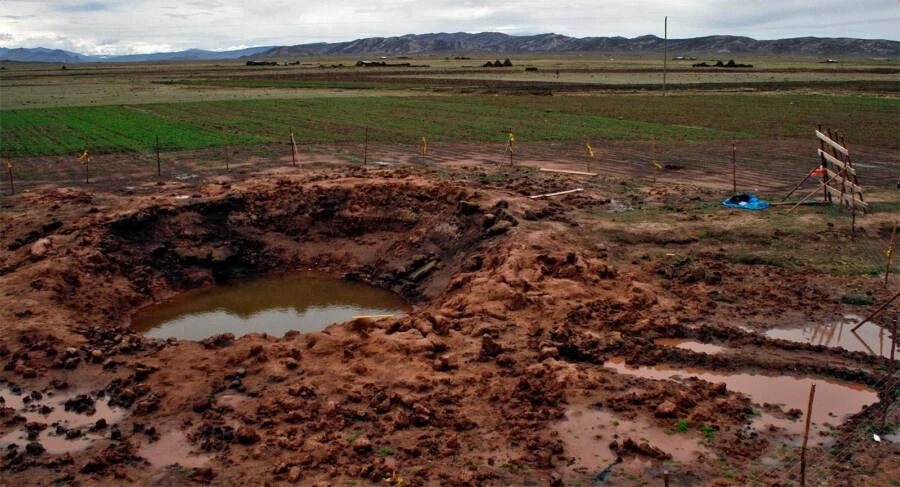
[494, 43]
[43, 55]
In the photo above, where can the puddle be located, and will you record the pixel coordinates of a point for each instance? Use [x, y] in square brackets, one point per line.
[869, 338]
[59, 421]
[170, 449]
[273, 305]
[692, 345]
[587, 433]
[834, 400]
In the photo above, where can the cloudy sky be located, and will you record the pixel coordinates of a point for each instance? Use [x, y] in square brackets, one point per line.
[139, 26]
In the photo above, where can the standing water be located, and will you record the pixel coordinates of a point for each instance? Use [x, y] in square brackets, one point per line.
[273, 305]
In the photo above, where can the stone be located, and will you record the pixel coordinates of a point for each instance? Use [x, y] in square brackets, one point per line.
[362, 445]
[246, 435]
[40, 248]
[666, 409]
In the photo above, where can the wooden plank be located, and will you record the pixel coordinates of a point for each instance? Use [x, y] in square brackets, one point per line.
[837, 162]
[835, 145]
[564, 171]
[556, 194]
[850, 199]
[850, 184]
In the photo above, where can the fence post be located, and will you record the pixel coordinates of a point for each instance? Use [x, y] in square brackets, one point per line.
[227, 156]
[158, 166]
[734, 168]
[890, 255]
[889, 385]
[366, 147]
[824, 163]
[85, 159]
[9, 167]
[812, 395]
[293, 149]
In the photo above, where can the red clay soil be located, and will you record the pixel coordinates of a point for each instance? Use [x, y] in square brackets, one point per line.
[516, 309]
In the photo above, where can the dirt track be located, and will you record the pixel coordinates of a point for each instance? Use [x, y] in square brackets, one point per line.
[510, 331]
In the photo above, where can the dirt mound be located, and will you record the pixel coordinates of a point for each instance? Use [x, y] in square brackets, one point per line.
[515, 315]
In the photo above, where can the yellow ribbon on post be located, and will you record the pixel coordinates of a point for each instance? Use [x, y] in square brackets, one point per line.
[512, 140]
[424, 148]
[590, 150]
[85, 157]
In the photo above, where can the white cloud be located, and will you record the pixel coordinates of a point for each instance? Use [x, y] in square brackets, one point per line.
[114, 27]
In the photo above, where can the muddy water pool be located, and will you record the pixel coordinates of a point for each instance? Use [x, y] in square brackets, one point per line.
[66, 431]
[272, 304]
[834, 400]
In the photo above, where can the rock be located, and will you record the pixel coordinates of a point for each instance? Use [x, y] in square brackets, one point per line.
[362, 445]
[556, 480]
[499, 229]
[34, 448]
[246, 435]
[489, 347]
[644, 449]
[549, 352]
[40, 248]
[466, 208]
[294, 474]
[666, 409]
[218, 341]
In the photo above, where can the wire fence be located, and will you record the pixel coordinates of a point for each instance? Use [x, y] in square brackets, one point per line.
[770, 167]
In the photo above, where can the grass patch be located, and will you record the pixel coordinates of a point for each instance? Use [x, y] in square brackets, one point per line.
[751, 259]
[857, 300]
[384, 451]
[682, 426]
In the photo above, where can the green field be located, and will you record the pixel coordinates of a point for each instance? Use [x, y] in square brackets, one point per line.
[53, 131]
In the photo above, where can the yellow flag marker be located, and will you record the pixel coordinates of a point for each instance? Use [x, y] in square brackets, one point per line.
[590, 150]
[656, 165]
[510, 142]
[85, 157]
[424, 148]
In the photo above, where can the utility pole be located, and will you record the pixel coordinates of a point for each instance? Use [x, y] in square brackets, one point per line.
[665, 51]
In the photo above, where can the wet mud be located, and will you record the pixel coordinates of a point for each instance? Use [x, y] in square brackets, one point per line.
[503, 371]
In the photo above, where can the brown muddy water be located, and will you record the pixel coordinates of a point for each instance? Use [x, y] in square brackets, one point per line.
[692, 345]
[272, 304]
[587, 433]
[834, 400]
[173, 448]
[869, 338]
[66, 431]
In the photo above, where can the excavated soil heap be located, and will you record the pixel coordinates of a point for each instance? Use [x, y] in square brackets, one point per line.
[513, 317]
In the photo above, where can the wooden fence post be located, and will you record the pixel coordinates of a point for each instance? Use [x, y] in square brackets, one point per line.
[824, 163]
[889, 386]
[9, 167]
[889, 254]
[590, 155]
[733, 168]
[158, 165]
[85, 159]
[293, 149]
[812, 395]
[225, 148]
[510, 144]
